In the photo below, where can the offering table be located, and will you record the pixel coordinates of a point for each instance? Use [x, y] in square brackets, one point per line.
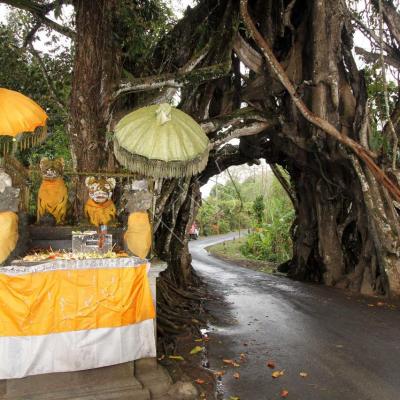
[97, 347]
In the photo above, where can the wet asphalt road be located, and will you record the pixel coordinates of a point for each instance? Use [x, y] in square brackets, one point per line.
[349, 348]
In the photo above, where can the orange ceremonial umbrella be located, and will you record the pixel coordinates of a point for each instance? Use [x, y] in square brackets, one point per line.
[19, 114]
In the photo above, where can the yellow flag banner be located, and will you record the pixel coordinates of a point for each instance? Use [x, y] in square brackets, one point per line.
[74, 315]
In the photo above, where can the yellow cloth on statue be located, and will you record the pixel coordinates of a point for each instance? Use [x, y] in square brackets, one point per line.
[8, 233]
[138, 235]
[53, 199]
[100, 213]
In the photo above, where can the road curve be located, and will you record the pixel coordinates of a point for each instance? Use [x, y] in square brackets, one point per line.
[348, 345]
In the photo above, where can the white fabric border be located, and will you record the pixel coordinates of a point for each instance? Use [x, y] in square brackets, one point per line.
[93, 263]
[76, 350]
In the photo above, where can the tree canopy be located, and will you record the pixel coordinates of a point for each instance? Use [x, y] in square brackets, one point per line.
[281, 76]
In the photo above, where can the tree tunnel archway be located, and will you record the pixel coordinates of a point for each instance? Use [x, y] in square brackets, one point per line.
[347, 228]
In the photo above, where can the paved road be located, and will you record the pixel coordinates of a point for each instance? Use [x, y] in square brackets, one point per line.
[349, 349]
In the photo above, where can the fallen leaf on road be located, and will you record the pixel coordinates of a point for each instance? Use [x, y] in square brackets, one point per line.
[284, 393]
[231, 362]
[380, 303]
[234, 398]
[277, 374]
[236, 375]
[219, 374]
[198, 340]
[200, 381]
[270, 364]
[242, 356]
[339, 346]
[196, 350]
[303, 374]
[161, 358]
[178, 358]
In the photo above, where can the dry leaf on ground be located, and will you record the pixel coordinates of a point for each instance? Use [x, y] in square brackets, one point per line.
[200, 381]
[230, 362]
[270, 364]
[284, 393]
[303, 374]
[196, 350]
[178, 358]
[277, 374]
[236, 375]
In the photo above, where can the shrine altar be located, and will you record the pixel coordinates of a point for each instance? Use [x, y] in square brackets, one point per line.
[71, 315]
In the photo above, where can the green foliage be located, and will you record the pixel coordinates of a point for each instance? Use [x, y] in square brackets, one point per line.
[271, 241]
[21, 71]
[223, 211]
[258, 209]
[376, 96]
[138, 27]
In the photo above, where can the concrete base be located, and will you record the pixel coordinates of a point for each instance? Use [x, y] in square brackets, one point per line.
[109, 383]
[153, 376]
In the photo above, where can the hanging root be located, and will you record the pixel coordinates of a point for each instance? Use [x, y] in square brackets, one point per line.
[176, 308]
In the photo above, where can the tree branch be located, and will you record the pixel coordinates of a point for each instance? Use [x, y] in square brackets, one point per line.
[285, 184]
[372, 57]
[390, 16]
[369, 32]
[250, 57]
[244, 129]
[222, 159]
[47, 78]
[322, 124]
[244, 114]
[395, 118]
[173, 80]
[40, 11]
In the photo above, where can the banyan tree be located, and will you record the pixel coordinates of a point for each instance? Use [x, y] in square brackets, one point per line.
[279, 75]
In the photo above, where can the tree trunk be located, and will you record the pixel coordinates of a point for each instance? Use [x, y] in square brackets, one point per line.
[94, 78]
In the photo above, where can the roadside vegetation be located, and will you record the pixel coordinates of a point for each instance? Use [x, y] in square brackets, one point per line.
[257, 205]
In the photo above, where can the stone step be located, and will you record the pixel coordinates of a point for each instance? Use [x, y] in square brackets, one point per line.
[108, 383]
[153, 376]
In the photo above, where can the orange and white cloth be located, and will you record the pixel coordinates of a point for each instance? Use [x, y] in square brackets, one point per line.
[74, 315]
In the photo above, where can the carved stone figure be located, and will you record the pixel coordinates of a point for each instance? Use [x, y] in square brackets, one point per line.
[53, 194]
[9, 199]
[138, 236]
[100, 209]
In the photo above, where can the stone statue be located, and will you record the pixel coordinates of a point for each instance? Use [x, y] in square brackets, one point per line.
[100, 209]
[9, 199]
[138, 236]
[53, 194]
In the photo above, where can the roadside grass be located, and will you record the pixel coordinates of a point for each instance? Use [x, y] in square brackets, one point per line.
[230, 251]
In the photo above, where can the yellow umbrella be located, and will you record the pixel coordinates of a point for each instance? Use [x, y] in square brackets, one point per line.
[19, 113]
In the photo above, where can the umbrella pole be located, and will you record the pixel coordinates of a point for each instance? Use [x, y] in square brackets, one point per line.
[156, 186]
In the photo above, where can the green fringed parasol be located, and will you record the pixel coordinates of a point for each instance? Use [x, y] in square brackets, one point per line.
[162, 142]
